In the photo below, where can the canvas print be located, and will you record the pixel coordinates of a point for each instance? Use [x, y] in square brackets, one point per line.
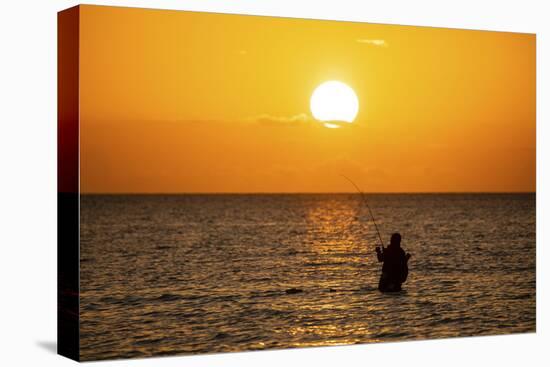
[232, 183]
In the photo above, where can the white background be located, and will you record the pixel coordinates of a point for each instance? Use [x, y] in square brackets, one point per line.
[28, 182]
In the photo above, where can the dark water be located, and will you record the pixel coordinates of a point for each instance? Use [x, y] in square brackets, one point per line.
[209, 273]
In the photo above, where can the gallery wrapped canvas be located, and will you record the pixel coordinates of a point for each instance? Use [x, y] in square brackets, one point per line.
[236, 183]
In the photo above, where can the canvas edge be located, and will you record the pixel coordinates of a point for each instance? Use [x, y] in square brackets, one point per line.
[68, 287]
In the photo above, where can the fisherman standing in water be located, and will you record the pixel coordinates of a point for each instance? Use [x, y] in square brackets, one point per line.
[395, 268]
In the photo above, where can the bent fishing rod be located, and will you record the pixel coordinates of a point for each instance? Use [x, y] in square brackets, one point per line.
[368, 207]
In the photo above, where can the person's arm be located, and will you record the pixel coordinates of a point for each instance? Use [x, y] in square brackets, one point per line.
[379, 254]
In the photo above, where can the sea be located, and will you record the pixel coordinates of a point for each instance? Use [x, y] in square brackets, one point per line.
[212, 273]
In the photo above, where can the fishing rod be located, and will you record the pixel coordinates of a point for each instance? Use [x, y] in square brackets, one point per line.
[368, 207]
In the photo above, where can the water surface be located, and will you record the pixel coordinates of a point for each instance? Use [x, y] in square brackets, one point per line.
[166, 274]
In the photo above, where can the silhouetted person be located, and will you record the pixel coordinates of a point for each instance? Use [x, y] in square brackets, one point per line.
[395, 268]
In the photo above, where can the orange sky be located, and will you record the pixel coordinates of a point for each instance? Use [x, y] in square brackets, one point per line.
[176, 101]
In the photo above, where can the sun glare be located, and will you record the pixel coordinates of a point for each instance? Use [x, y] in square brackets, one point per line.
[334, 101]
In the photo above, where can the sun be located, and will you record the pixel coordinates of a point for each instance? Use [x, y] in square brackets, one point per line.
[333, 102]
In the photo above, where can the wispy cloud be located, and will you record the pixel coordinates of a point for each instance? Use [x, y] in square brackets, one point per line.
[286, 120]
[373, 42]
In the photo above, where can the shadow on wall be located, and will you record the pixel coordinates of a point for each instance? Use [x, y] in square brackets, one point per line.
[50, 346]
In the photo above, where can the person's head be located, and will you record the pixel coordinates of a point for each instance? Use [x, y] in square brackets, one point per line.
[395, 240]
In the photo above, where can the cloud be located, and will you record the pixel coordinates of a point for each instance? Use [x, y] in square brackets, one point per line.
[301, 119]
[373, 42]
[282, 120]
